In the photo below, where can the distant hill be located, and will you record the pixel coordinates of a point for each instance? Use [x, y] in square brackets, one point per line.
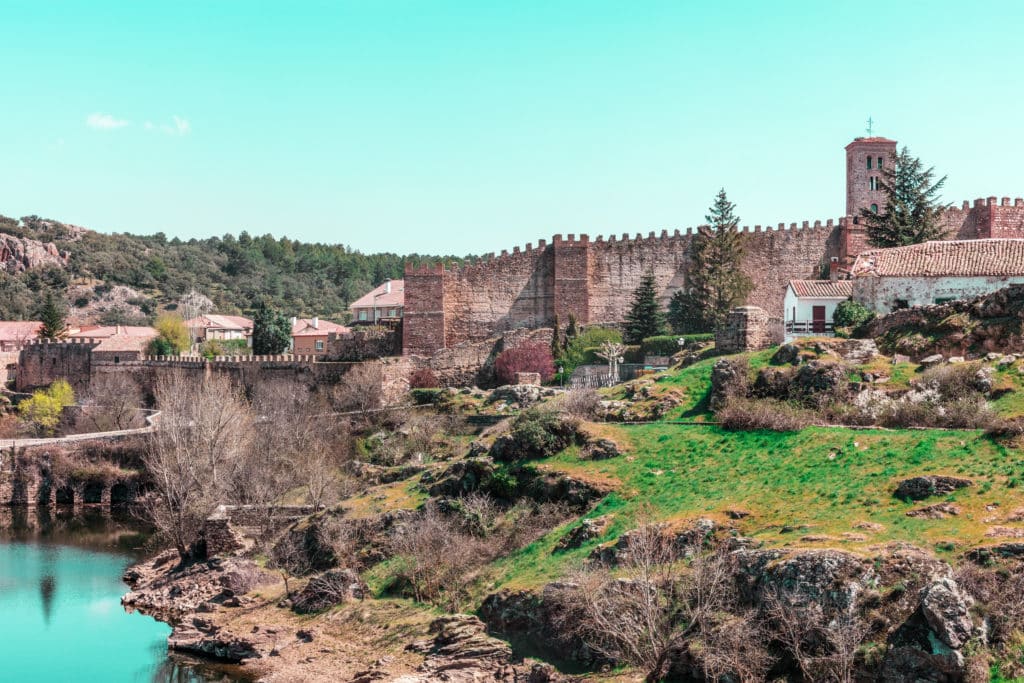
[151, 273]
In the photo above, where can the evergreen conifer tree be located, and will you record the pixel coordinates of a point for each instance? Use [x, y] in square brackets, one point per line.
[572, 330]
[271, 331]
[645, 318]
[912, 209]
[556, 339]
[715, 282]
[52, 317]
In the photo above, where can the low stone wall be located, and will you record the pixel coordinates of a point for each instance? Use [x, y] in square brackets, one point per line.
[226, 530]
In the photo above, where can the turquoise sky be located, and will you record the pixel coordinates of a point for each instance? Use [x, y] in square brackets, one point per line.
[458, 127]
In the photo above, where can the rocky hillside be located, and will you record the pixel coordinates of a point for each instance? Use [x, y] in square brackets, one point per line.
[305, 279]
[628, 534]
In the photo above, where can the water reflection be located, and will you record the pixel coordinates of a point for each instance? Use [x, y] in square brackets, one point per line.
[60, 595]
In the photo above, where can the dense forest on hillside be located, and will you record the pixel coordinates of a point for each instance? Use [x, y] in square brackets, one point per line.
[235, 272]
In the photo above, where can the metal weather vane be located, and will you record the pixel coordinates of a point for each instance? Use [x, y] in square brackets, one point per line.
[871, 126]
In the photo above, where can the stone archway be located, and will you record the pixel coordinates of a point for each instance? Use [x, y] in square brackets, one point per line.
[92, 493]
[65, 496]
[121, 494]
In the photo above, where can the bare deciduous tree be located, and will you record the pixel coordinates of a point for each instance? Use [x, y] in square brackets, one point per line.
[113, 402]
[658, 604]
[203, 425]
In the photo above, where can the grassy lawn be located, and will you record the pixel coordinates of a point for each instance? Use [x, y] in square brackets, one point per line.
[814, 488]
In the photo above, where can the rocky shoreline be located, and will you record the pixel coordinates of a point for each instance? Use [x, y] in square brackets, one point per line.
[231, 612]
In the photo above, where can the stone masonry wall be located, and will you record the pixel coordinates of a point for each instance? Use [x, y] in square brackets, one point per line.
[40, 364]
[591, 279]
[594, 278]
[748, 328]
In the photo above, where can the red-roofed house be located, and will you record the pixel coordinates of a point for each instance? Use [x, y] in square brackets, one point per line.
[309, 335]
[14, 334]
[936, 272]
[224, 327]
[103, 331]
[809, 305]
[384, 303]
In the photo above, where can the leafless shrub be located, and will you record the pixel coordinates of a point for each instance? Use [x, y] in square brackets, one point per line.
[437, 556]
[823, 645]
[1000, 598]
[745, 414]
[952, 381]
[580, 403]
[361, 390]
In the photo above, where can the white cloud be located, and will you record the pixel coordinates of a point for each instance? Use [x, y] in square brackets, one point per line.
[182, 126]
[178, 126]
[105, 122]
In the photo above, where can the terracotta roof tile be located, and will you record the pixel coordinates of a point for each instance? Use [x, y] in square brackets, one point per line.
[223, 322]
[303, 327]
[383, 300]
[19, 330]
[823, 289]
[964, 258]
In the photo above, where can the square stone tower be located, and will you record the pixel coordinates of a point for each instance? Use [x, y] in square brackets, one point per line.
[865, 160]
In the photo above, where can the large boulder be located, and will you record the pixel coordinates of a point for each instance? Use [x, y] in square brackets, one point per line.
[919, 488]
[329, 589]
[728, 378]
[831, 578]
[946, 609]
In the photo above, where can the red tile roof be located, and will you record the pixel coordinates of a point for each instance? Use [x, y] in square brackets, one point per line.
[221, 322]
[962, 258]
[122, 342]
[102, 331]
[383, 299]
[304, 327]
[822, 289]
[19, 330]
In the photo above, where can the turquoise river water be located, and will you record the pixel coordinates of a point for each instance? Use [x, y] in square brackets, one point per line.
[60, 605]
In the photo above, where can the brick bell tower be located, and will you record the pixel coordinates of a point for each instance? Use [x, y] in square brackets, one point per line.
[865, 160]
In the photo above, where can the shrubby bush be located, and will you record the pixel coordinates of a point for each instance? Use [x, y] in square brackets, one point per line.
[530, 357]
[423, 378]
[851, 314]
[746, 414]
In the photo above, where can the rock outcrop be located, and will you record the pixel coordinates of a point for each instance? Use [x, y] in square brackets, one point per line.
[919, 488]
[18, 254]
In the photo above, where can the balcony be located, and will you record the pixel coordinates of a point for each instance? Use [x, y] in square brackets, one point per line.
[796, 328]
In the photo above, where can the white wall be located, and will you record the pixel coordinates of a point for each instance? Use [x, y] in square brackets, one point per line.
[805, 307]
[880, 293]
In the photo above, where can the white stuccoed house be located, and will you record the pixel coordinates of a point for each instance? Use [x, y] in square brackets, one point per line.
[809, 305]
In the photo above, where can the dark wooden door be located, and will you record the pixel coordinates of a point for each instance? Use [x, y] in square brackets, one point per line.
[818, 319]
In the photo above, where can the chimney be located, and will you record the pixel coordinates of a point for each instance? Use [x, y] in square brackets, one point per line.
[294, 320]
[387, 286]
[316, 323]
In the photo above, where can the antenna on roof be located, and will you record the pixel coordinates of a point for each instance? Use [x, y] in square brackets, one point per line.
[871, 126]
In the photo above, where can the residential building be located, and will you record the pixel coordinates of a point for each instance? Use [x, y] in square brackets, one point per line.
[309, 335]
[219, 327]
[86, 332]
[809, 304]
[383, 304]
[935, 272]
[14, 334]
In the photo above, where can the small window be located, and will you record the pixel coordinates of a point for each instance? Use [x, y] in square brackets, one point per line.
[873, 183]
[944, 299]
[869, 163]
[362, 315]
[879, 162]
[901, 303]
[874, 208]
[794, 313]
[117, 359]
[319, 344]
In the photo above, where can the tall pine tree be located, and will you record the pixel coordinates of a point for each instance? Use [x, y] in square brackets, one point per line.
[715, 283]
[52, 317]
[912, 210]
[271, 331]
[645, 318]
